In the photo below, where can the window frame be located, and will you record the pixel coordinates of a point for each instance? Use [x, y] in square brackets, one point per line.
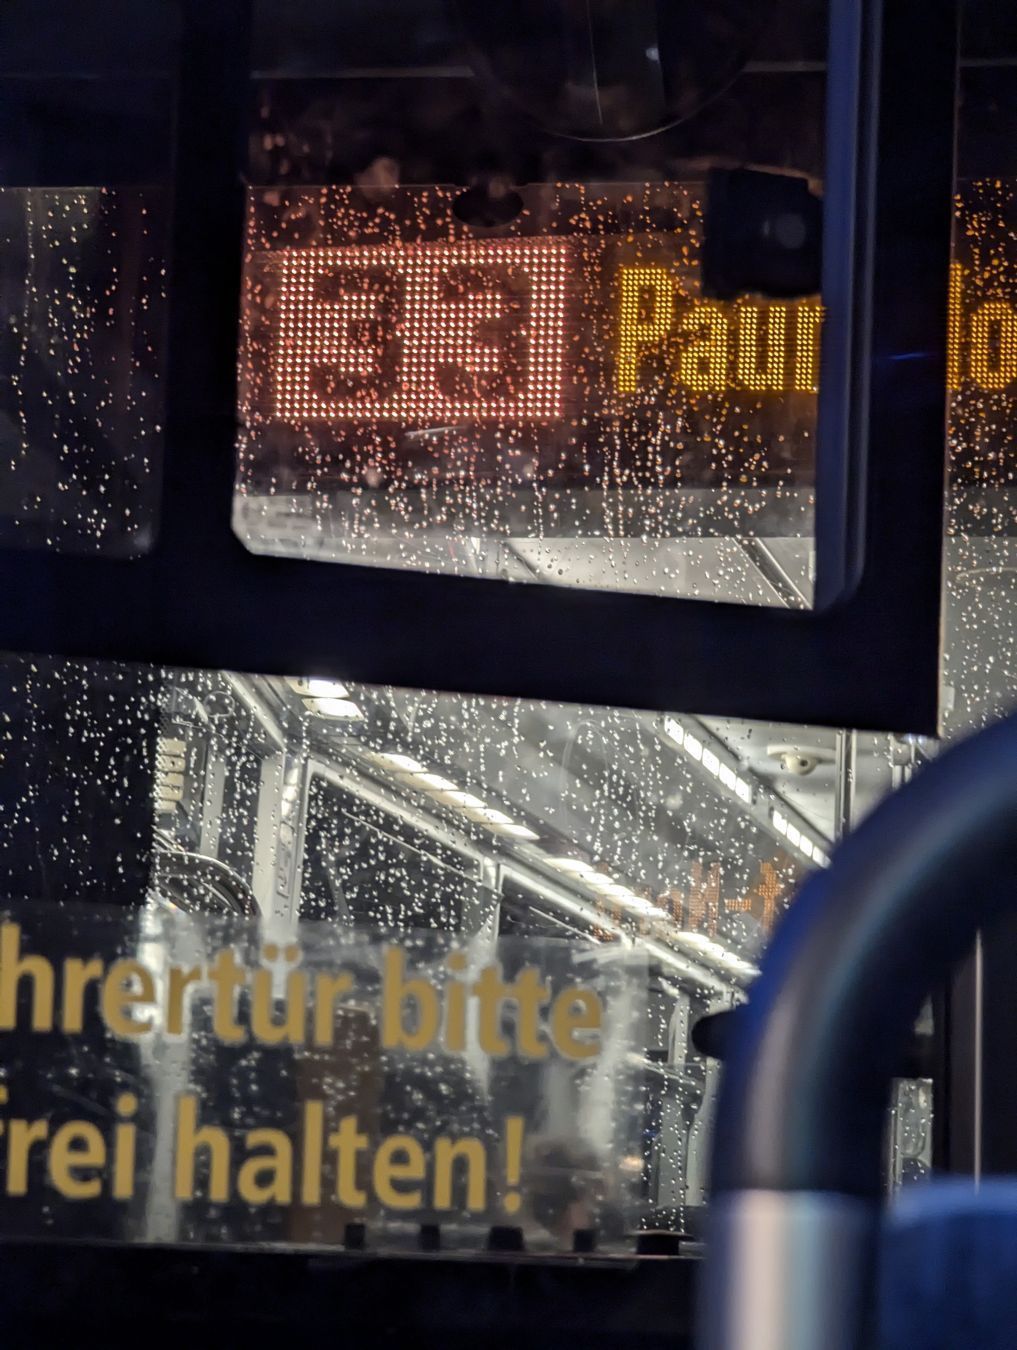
[199, 598]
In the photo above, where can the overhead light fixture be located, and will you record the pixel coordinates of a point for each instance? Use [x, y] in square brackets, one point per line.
[712, 950]
[327, 698]
[434, 781]
[701, 754]
[691, 967]
[319, 688]
[170, 770]
[466, 801]
[343, 708]
[575, 866]
[413, 774]
[517, 831]
[606, 885]
[798, 839]
[400, 763]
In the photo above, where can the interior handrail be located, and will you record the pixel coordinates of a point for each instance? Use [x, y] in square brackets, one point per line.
[796, 1165]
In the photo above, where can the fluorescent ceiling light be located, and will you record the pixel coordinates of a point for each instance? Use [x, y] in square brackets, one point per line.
[492, 816]
[403, 763]
[702, 975]
[574, 865]
[607, 886]
[319, 688]
[434, 781]
[637, 903]
[335, 707]
[710, 760]
[516, 831]
[798, 839]
[416, 775]
[600, 881]
[715, 951]
[466, 800]
[674, 730]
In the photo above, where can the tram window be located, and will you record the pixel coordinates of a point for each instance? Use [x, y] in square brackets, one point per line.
[86, 122]
[370, 810]
[376, 808]
[365, 867]
[476, 337]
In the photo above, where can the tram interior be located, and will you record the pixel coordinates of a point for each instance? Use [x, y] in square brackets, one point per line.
[372, 808]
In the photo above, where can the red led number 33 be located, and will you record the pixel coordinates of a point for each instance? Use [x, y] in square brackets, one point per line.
[421, 334]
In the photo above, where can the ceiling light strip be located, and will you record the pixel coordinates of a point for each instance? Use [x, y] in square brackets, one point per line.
[418, 776]
[695, 749]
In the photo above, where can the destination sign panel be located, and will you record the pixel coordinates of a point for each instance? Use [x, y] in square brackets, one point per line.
[403, 373]
[407, 376]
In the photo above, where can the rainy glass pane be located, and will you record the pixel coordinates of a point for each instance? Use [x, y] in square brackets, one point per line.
[83, 289]
[444, 1121]
[86, 107]
[364, 808]
[372, 809]
[369, 810]
[979, 676]
[478, 337]
[980, 661]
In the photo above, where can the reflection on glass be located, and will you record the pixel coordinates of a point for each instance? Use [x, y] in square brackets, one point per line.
[553, 400]
[82, 290]
[372, 809]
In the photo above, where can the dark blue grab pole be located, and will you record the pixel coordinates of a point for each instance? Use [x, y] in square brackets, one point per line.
[796, 1168]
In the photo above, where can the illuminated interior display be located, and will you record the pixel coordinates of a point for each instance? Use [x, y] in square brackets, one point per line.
[982, 342]
[424, 333]
[416, 392]
[766, 348]
[982, 360]
[993, 345]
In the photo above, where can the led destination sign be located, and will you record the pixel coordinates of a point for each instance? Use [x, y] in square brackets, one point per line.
[394, 355]
[420, 334]
[479, 331]
[482, 331]
[563, 375]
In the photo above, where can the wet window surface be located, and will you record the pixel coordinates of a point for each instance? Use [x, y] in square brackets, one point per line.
[664, 447]
[83, 292]
[555, 400]
[476, 337]
[375, 809]
[86, 118]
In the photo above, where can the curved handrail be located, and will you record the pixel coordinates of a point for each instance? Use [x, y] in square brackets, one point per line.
[187, 874]
[807, 1081]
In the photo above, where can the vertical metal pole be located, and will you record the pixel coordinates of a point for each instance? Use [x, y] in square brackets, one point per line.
[844, 792]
